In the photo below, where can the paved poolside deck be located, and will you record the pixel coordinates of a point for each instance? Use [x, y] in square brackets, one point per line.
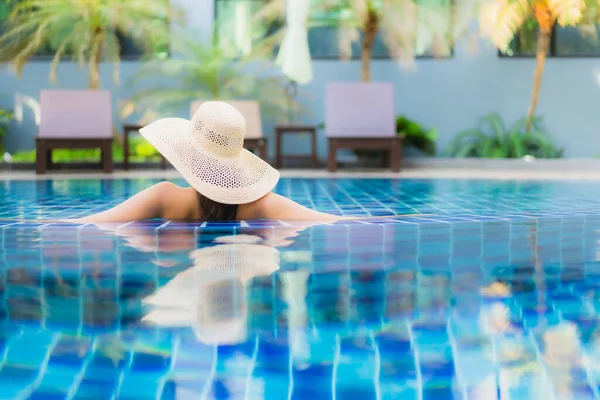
[408, 173]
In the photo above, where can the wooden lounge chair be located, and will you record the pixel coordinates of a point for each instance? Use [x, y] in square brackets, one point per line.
[74, 119]
[361, 116]
[254, 139]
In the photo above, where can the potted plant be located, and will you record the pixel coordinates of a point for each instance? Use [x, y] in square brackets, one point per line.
[491, 139]
[414, 137]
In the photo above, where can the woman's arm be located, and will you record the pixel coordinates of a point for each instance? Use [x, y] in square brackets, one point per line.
[144, 205]
[274, 206]
[163, 200]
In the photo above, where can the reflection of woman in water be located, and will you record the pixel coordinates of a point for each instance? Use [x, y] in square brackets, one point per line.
[227, 182]
[210, 295]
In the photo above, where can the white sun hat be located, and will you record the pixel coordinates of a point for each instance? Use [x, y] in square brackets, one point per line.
[208, 151]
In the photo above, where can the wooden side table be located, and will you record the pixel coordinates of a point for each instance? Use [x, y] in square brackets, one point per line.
[127, 128]
[257, 143]
[391, 144]
[281, 130]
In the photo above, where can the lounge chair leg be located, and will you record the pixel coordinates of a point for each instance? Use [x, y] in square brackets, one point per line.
[396, 155]
[126, 149]
[107, 158]
[40, 158]
[49, 159]
[332, 156]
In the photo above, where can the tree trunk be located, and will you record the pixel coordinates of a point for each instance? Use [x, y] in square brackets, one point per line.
[369, 33]
[94, 62]
[545, 22]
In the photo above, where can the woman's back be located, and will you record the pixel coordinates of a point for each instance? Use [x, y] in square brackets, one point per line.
[168, 201]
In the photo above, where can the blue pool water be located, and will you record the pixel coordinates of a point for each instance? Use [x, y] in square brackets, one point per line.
[492, 293]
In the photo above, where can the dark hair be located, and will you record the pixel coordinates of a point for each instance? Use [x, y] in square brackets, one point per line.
[212, 211]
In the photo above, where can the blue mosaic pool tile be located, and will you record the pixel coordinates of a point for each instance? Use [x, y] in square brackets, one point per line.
[50, 395]
[429, 273]
[313, 381]
[93, 389]
[139, 386]
[29, 349]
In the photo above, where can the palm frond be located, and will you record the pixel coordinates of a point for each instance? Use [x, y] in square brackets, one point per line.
[206, 71]
[399, 21]
[162, 100]
[272, 10]
[434, 28]
[85, 30]
[500, 20]
[567, 12]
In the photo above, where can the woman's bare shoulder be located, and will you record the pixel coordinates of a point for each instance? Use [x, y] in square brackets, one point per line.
[178, 203]
[275, 206]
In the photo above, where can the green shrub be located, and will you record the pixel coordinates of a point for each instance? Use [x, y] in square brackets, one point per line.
[140, 150]
[5, 117]
[492, 140]
[416, 136]
[413, 135]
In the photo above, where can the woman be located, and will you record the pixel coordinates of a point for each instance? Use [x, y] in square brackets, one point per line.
[227, 181]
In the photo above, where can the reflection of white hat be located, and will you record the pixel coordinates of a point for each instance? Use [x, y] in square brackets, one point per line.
[210, 296]
[208, 151]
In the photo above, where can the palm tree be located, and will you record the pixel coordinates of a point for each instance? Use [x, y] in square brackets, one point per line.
[209, 71]
[501, 20]
[408, 27]
[88, 31]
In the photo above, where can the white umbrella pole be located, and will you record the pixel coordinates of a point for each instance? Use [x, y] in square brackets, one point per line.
[291, 89]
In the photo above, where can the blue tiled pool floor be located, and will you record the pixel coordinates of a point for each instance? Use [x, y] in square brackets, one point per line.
[495, 294]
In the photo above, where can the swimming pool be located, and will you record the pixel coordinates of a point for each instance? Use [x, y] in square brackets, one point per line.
[493, 293]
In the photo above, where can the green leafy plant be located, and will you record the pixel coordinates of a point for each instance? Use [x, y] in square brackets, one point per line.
[492, 140]
[413, 136]
[208, 71]
[5, 117]
[140, 150]
[89, 31]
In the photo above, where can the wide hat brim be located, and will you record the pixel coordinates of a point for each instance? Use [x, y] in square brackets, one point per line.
[239, 179]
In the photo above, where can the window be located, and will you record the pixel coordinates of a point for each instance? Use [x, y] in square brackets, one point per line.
[564, 42]
[577, 41]
[237, 32]
[234, 28]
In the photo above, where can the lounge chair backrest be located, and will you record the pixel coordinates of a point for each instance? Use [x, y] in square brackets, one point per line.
[251, 112]
[358, 109]
[75, 114]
